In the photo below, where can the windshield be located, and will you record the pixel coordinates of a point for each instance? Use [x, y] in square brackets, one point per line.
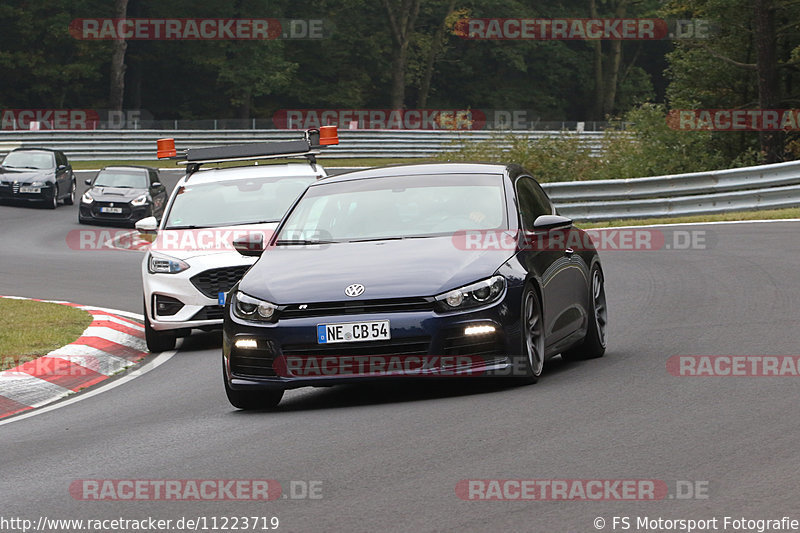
[397, 207]
[34, 160]
[230, 203]
[125, 179]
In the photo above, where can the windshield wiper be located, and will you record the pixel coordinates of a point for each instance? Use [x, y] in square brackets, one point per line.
[29, 168]
[186, 227]
[301, 242]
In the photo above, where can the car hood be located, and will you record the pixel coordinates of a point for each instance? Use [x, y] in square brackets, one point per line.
[188, 243]
[116, 194]
[24, 176]
[387, 269]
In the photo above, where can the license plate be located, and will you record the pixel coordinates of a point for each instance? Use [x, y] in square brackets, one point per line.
[30, 190]
[115, 210]
[353, 332]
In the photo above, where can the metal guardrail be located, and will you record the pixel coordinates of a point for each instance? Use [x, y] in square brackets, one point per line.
[141, 144]
[760, 187]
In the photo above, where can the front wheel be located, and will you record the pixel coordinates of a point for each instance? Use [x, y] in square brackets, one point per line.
[594, 344]
[532, 335]
[158, 341]
[53, 202]
[70, 200]
[251, 400]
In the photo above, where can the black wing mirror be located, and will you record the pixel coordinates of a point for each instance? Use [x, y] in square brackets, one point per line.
[251, 245]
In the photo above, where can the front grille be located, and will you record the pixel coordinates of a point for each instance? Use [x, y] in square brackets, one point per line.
[217, 280]
[254, 362]
[126, 209]
[402, 346]
[482, 345]
[356, 307]
[210, 312]
[15, 188]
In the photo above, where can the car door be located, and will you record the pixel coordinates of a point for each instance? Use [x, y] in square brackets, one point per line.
[547, 255]
[158, 192]
[62, 173]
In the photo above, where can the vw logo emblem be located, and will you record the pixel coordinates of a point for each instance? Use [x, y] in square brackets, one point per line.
[356, 289]
[111, 204]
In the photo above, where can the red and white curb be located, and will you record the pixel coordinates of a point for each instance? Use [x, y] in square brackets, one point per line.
[111, 343]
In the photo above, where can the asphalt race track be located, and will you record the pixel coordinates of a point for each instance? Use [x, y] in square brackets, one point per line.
[390, 457]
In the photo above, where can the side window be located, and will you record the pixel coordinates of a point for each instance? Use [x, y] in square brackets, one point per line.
[532, 200]
[153, 176]
[61, 159]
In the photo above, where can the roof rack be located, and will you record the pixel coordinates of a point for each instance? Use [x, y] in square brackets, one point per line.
[309, 146]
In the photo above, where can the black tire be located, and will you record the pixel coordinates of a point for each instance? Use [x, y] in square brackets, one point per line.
[594, 344]
[53, 202]
[70, 200]
[250, 400]
[532, 326]
[158, 341]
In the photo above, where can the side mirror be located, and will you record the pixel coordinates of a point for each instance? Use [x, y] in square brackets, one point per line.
[147, 225]
[61, 168]
[88, 182]
[551, 222]
[251, 245]
[155, 185]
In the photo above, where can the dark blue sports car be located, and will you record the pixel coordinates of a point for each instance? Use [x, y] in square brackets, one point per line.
[413, 270]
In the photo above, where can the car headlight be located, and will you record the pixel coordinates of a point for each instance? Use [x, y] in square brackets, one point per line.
[249, 308]
[164, 264]
[87, 198]
[475, 294]
[140, 201]
[38, 184]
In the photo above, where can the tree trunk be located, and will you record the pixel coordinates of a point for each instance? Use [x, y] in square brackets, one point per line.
[766, 62]
[436, 46]
[116, 93]
[599, 98]
[401, 23]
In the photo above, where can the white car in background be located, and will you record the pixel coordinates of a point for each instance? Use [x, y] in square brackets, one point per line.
[191, 263]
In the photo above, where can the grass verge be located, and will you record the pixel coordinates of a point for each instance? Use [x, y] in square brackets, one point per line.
[32, 329]
[767, 214]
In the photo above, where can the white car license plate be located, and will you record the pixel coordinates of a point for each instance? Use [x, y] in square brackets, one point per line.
[115, 210]
[353, 332]
[31, 190]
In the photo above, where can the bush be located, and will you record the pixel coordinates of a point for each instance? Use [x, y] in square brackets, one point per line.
[647, 147]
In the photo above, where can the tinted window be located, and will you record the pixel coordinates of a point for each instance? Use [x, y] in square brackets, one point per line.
[532, 200]
[126, 179]
[33, 159]
[398, 206]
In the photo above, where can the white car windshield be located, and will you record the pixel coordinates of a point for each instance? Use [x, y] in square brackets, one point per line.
[397, 207]
[234, 202]
[33, 159]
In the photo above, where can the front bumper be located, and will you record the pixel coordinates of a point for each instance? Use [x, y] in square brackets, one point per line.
[197, 310]
[130, 214]
[422, 344]
[14, 193]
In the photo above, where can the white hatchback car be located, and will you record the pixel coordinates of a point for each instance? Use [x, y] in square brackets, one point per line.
[191, 263]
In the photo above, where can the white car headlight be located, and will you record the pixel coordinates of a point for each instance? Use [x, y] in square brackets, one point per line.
[164, 264]
[475, 294]
[140, 201]
[87, 198]
[249, 308]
